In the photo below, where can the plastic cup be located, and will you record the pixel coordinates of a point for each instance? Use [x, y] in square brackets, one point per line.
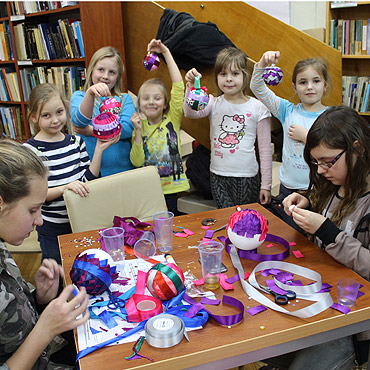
[114, 243]
[211, 261]
[144, 248]
[347, 291]
[163, 230]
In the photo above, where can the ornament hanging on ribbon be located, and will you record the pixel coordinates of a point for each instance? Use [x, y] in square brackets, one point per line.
[111, 105]
[272, 75]
[165, 281]
[151, 61]
[247, 229]
[95, 270]
[197, 98]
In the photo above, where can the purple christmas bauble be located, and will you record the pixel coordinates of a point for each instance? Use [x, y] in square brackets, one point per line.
[272, 75]
[151, 61]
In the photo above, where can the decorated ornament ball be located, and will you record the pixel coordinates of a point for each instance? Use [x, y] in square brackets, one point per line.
[111, 105]
[197, 98]
[93, 269]
[151, 61]
[247, 229]
[106, 126]
[165, 281]
[272, 75]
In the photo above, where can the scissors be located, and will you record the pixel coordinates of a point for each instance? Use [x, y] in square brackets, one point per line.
[115, 302]
[281, 299]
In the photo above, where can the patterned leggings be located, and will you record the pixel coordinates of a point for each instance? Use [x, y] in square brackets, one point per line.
[232, 191]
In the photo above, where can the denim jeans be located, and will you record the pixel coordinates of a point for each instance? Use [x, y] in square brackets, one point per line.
[49, 247]
[338, 354]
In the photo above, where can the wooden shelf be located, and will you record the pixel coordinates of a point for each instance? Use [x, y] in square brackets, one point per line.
[352, 65]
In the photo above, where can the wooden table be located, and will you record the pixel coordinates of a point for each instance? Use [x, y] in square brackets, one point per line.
[264, 335]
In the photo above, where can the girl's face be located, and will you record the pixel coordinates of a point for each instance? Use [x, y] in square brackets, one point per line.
[18, 220]
[310, 87]
[152, 103]
[106, 71]
[338, 172]
[230, 80]
[52, 117]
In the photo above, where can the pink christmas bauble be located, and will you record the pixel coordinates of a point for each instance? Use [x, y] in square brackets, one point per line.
[165, 281]
[106, 126]
[197, 99]
[111, 105]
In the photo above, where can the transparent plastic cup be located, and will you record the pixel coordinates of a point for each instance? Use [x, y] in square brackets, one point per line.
[114, 243]
[145, 248]
[163, 230]
[211, 261]
[347, 291]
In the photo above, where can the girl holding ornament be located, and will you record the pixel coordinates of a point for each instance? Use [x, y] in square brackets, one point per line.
[310, 81]
[236, 119]
[156, 137]
[104, 80]
[337, 214]
[31, 320]
[47, 114]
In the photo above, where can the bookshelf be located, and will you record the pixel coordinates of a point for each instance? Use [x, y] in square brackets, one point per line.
[100, 24]
[355, 58]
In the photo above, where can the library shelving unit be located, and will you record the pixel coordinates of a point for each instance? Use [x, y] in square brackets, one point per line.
[101, 24]
[352, 65]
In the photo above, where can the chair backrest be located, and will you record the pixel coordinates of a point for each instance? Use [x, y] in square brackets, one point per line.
[136, 193]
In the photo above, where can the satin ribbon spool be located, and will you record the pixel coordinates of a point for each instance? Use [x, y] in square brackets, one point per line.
[141, 307]
[164, 331]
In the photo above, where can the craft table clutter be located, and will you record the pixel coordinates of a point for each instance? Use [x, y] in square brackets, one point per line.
[263, 332]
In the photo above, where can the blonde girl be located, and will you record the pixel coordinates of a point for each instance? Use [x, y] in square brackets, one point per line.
[104, 79]
[156, 138]
[67, 159]
[27, 336]
[236, 121]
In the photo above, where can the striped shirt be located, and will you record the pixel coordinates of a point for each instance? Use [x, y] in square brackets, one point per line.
[67, 161]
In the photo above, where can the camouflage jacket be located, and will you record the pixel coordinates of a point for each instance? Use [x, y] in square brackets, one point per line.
[18, 314]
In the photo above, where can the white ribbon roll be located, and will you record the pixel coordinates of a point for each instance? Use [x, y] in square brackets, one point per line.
[308, 292]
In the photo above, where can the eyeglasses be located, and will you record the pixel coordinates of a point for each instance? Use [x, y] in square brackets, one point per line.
[330, 164]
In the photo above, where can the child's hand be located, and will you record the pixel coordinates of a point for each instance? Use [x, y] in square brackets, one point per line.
[47, 280]
[190, 77]
[265, 196]
[105, 144]
[78, 187]
[157, 46]
[86, 131]
[62, 315]
[99, 89]
[297, 132]
[307, 220]
[136, 121]
[270, 57]
[295, 199]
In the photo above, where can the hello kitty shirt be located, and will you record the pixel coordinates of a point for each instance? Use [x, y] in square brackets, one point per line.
[233, 132]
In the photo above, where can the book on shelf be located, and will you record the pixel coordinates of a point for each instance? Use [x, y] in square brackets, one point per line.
[29, 7]
[10, 118]
[355, 92]
[350, 36]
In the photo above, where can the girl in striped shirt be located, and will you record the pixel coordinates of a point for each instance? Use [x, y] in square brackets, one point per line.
[66, 157]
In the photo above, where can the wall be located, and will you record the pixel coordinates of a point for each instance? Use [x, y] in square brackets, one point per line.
[299, 14]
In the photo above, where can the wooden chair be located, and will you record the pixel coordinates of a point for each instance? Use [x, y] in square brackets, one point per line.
[137, 193]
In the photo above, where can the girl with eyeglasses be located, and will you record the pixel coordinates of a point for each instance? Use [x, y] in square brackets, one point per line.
[337, 214]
